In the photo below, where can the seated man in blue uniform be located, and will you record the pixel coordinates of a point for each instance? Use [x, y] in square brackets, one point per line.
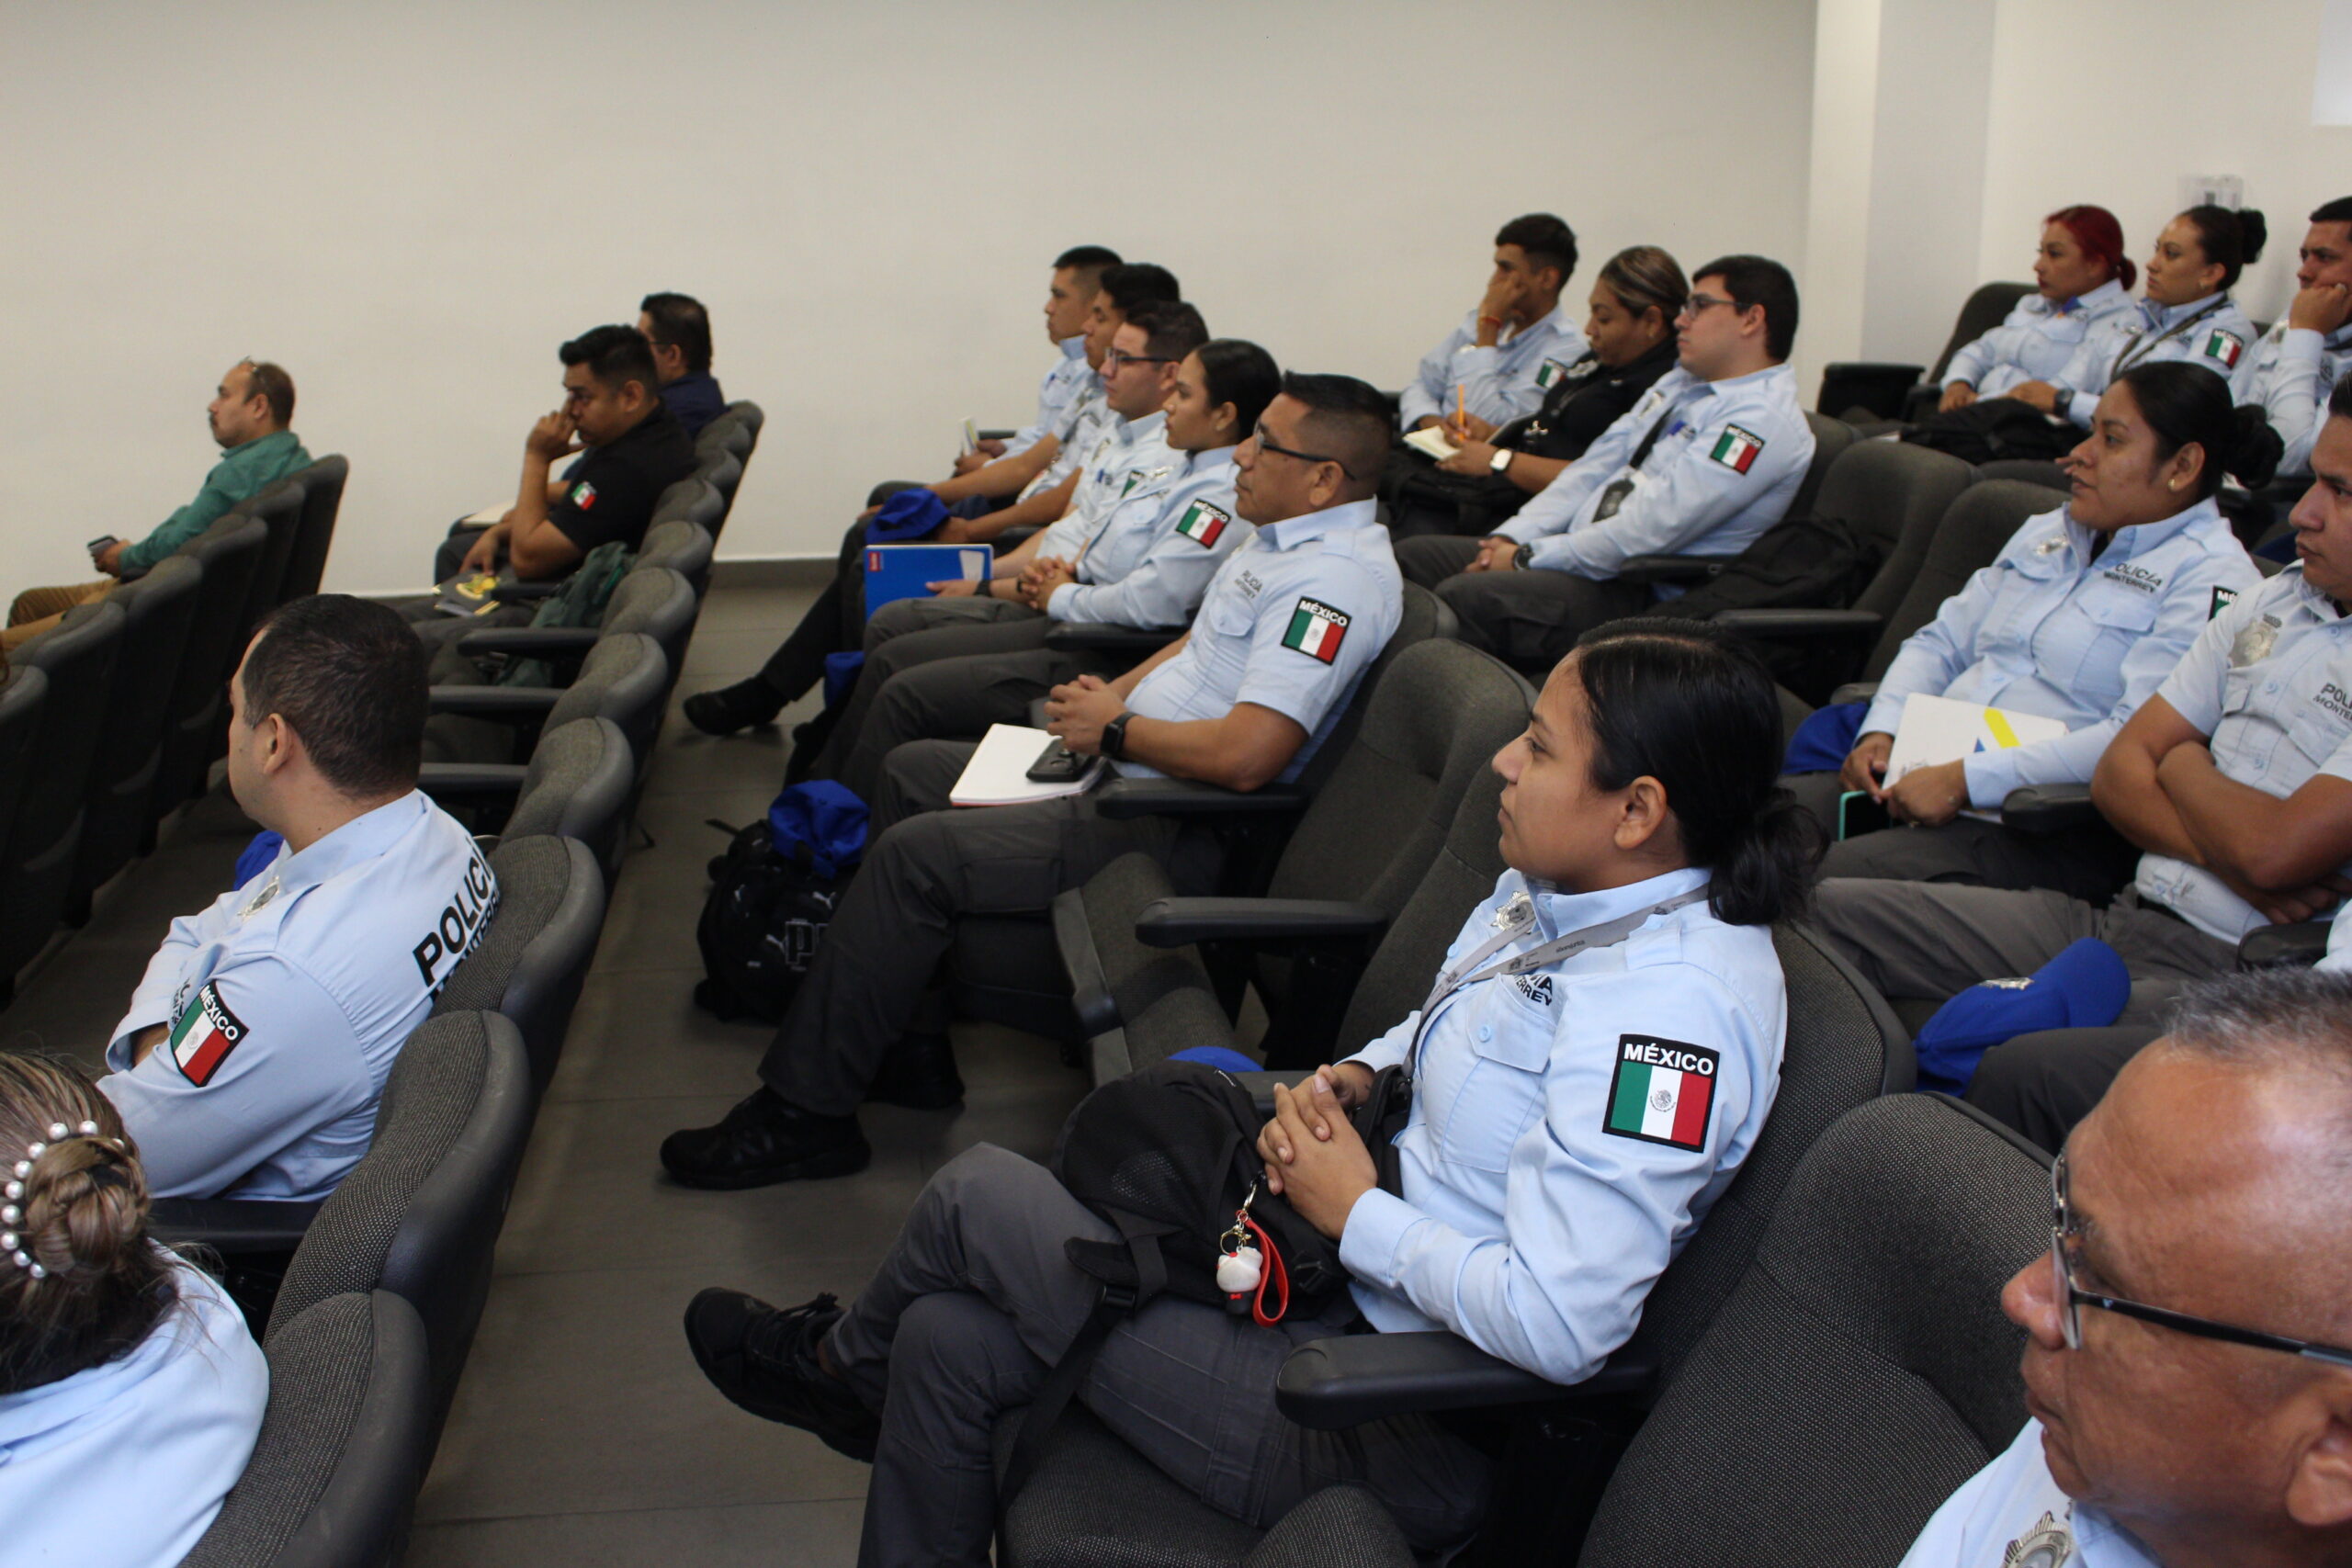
[255, 1047]
[678, 328]
[1594, 1063]
[1708, 458]
[2189, 1336]
[1515, 343]
[1290, 623]
[2309, 349]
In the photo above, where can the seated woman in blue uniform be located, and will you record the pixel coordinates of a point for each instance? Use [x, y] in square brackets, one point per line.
[131, 1392]
[2080, 618]
[2081, 279]
[1571, 1123]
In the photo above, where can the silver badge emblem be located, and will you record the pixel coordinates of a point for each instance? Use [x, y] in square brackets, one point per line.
[2254, 642]
[1517, 911]
[261, 895]
[2014, 983]
[2049, 1544]
[2050, 546]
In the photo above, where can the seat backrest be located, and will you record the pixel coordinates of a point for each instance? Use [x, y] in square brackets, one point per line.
[281, 510]
[229, 552]
[750, 416]
[1967, 539]
[2043, 472]
[696, 498]
[44, 835]
[1423, 618]
[1830, 438]
[658, 603]
[577, 787]
[344, 1444]
[625, 678]
[1862, 1372]
[531, 961]
[1982, 310]
[159, 609]
[1844, 1047]
[682, 545]
[419, 1214]
[23, 692]
[322, 484]
[723, 471]
[723, 436]
[1893, 494]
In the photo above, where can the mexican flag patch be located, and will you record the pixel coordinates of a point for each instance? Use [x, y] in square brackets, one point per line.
[1735, 448]
[1317, 629]
[2224, 347]
[1202, 523]
[2223, 599]
[584, 495]
[1550, 374]
[1662, 1093]
[205, 1035]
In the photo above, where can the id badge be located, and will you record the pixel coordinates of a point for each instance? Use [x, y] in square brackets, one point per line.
[1614, 496]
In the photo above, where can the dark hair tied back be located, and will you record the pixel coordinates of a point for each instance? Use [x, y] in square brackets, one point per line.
[2232, 240]
[2184, 403]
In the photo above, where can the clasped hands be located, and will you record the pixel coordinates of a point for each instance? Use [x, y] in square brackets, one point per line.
[1313, 1155]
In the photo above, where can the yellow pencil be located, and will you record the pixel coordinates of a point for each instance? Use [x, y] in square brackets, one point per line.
[1459, 423]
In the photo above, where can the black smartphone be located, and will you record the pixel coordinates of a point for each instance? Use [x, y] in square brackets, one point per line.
[1858, 814]
[103, 542]
[1058, 764]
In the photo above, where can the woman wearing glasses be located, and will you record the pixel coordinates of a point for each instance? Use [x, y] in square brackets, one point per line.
[1631, 329]
[2186, 1372]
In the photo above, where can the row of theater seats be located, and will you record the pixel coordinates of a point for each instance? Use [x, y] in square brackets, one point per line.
[366, 1305]
[109, 721]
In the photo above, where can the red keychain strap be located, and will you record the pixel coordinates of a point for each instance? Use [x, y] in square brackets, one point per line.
[1274, 1275]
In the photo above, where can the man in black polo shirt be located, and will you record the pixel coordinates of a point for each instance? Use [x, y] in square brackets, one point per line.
[636, 448]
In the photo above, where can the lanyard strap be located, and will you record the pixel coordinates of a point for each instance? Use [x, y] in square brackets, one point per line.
[2125, 360]
[1517, 917]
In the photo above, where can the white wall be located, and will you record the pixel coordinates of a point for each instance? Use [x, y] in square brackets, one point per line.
[2125, 70]
[410, 205]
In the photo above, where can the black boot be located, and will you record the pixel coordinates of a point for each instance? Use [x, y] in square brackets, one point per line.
[739, 707]
[919, 1073]
[765, 1361]
[766, 1139]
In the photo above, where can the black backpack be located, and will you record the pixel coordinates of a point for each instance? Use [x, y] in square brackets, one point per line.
[761, 926]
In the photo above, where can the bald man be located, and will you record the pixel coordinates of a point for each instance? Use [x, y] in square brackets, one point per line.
[2187, 1379]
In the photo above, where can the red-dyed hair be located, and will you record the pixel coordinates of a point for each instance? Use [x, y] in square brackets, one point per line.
[2095, 230]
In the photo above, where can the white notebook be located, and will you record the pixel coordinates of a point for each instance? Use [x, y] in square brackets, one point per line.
[1938, 729]
[997, 773]
[1433, 441]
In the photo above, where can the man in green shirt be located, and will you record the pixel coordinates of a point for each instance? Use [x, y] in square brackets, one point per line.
[249, 414]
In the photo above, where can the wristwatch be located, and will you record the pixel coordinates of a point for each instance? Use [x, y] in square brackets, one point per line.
[1523, 557]
[1113, 744]
[1500, 462]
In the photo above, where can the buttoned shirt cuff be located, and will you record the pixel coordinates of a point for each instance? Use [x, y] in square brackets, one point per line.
[2081, 408]
[2303, 343]
[1991, 775]
[1555, 552]
[1886, 713]
[1374, 1236]
[1057, 602]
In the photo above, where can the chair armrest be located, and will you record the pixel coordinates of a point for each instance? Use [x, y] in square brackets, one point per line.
[1875, 368]
[447, 781]
[1090, 987]
[998, 435]
[539, 642]
[231, 1225]
[1070, 636]
[1671, 569]
[493, 702]
[526, 593]
[1854, 692]
[1787, 625]
[1330, 1384]
[1877, 386]
[1175, 922]
[2043, 809]
[2296, 946]
[1125, 800]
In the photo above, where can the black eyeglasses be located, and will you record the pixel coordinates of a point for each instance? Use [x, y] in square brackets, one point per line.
[2071, 1297]
[1114, 357]
[1268, 444]
[1698, 305]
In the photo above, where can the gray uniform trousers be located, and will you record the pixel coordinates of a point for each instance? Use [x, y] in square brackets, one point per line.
[977, 1301]
[2041, 1084]
[926, 868]
[1528, 619]
[1935, 940]
[942, 670]
[2090, 865]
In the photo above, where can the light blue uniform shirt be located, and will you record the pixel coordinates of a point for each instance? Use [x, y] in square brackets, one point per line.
[124, 1465]
[2038, 339]
[289, 999]
[2339, 943]
[2046, 630]
[1498, 384]
[1062, 383]
[2011, 1513]
[1291, 622]
[1125, 457]
[1729, 459]
[1531, 1224]
[2292, 372]
[2211, 332]
[2269, 683]
[1083, 421]
[1150, 564]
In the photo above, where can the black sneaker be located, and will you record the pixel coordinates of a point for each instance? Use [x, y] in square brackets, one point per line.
[766, 1139]
[920, 1074]
[731, 708]
[765, 1361]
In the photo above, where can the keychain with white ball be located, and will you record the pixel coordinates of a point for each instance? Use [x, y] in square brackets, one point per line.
[1239, 1266]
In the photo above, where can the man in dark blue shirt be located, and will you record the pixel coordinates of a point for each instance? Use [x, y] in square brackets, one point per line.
[679, 328]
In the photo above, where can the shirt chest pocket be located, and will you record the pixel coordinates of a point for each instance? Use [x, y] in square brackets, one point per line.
[2321, 723]
[1229, 619]
[2101, 626]
[1496, 1050]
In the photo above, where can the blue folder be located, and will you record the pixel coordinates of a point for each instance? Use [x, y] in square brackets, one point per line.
[904, 571]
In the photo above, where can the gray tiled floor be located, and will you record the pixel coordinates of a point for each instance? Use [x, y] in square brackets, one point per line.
[582, 1433]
